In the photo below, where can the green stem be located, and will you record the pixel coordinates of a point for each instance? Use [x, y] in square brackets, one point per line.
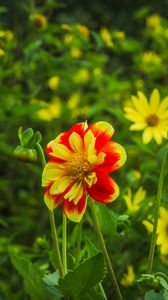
[156, 216]
[79, 238]
[102, 291]
[104, 251]
[51, 217]
[55, 242]
[64, 243]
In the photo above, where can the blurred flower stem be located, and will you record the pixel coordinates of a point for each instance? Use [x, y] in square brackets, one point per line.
[52, 219]
[104, 250]
[79, 238]
[64, 243]
[156, 216]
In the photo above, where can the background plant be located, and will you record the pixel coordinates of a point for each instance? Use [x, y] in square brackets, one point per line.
[59, 64]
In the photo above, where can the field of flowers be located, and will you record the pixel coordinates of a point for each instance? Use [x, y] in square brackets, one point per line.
[83, 142]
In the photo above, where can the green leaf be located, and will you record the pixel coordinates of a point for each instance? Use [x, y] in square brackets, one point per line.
[26, 136]
[51, 281]
[77, 283]
[36, 138]
[152, 295]
[32, 275]
[91, 295]
[163, 283]
[107, 219]
[20, 133]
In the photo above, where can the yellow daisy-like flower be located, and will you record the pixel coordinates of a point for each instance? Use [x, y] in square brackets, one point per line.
[133, 202]
[52, 111]
[162, 231]
[2, 52]
[53, 82]
[150, 116]
[83, 30]
[75, 52]
[106, 37]
[129, 277]
[148, 225]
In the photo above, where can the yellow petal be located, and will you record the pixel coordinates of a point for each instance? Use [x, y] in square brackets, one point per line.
[157, 136]
[51, 172]
[163, 105]
[89, 139]
[102, 127]
[147, 135]
[154, 100]
[76, 142]
[91, 179]
[60, 185]
[75, 193]
[139, 105]
[61, 151]
[138, 126]
[143, 100]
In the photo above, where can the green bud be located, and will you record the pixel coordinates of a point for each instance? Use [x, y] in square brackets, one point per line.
[24, 154]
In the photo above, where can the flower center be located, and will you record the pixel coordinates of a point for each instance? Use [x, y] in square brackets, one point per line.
[152, 120]
[77, 166]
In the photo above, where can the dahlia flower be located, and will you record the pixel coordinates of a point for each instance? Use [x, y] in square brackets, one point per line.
[80, 162]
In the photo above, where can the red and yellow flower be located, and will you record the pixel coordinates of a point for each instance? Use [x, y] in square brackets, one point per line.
[80, 161]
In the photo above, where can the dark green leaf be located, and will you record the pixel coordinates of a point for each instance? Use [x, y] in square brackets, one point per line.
[77, 283]
[32, 276]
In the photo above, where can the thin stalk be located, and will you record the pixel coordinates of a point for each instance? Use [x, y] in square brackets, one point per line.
[156, 217]
[102, 291]
[55, 243]
[104, 251]
[79, 238]
[64, 243]
[52, 219]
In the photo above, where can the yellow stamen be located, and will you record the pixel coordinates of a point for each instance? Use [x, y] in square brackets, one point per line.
[77, 166]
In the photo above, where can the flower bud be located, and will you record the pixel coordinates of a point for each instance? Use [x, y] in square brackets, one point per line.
[24, 154]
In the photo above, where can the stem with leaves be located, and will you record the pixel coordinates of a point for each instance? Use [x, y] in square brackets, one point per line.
[104, 250]
[156, 216]
[52, 219]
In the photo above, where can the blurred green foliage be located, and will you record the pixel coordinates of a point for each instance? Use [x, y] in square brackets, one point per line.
[64, 62]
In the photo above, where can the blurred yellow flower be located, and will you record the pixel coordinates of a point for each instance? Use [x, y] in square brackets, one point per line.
[66, 27]
[151, 57]
[150, 116]
[53, 82]
[82, 76]
[154, 22]
[133, 203]
[129, 277]
[2, 33]
[2, 52]
[139, 84]
[166, 33]
[151, 61]
[53, 110]
[162, 231]
[148, 225]
[106, 37]
[73, 101]
[39, 20]
[83, 30]
[120, 35]
[68, 38]
[97, 71]
[75, 52]
[9, 35]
